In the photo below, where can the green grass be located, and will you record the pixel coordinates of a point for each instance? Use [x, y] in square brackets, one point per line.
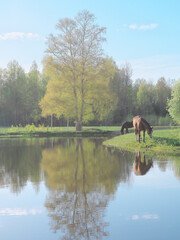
[32, 128]
[41, 130]
[163, 142]
[161, 138]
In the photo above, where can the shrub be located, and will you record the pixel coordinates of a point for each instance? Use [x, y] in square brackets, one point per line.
[30, 128]
[164, 121]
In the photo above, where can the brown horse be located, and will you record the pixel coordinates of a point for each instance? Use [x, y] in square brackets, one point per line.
[140, 124]
[126, 125]
[141, 167]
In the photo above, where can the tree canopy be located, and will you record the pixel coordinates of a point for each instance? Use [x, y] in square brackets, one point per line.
[174, 103]
[78, 69]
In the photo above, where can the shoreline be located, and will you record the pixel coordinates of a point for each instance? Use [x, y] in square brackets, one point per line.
[60, 134]
[164, 142]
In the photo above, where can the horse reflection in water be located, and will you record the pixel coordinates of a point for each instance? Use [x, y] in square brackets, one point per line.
[142, 167]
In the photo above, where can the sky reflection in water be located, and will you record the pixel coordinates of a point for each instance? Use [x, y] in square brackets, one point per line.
[77, 189]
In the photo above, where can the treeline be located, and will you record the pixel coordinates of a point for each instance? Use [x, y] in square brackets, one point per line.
[140, 97]
[20, 94]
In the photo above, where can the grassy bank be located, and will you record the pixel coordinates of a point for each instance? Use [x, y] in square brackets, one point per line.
[42, 131]
[165, 141]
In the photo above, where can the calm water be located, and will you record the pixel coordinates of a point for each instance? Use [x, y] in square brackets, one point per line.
[77, 189]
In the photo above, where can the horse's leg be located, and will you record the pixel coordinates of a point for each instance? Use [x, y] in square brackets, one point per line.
[143, 136]
[135, 131]
[139, 133]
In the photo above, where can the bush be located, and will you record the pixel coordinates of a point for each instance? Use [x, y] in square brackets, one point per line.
[30, 128]
[165, 121]
[13, 129]
[42, 128]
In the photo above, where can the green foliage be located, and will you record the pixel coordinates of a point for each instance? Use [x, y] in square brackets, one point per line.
[165, 121]
[121, 86]
[174, 103]
[30, 128]
[106, 95]
[13, 129]
[95, 103]
[20, 94]
[145, 98]
[81, 74]
[162, 94]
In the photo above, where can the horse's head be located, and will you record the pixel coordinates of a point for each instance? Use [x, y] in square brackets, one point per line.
[149, 132]
[122, 132]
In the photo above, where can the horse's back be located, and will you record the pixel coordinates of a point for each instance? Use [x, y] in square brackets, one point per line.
[136, 121]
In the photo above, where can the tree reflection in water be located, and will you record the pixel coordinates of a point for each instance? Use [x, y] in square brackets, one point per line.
[20, 163]
[82, 178]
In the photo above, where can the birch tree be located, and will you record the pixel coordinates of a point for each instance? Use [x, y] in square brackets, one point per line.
[77, 57]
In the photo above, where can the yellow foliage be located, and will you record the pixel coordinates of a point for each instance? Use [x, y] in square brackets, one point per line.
[81, 93]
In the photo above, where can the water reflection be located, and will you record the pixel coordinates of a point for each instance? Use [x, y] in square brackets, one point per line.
[82, 179]
[19, 163]
[141, 167]
[80, 182]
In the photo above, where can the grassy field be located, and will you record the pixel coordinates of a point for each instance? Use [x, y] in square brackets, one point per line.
[41, 128]
[31, 130]
[163, 142]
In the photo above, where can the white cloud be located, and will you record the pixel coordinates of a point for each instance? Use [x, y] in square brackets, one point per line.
[133, 26]
[19, 36]
[148, 27]
[135, 217]
[145, 216]
[141, 27]
[19, 212]
[150, 216]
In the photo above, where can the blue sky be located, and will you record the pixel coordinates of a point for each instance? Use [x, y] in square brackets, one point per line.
[144, 33]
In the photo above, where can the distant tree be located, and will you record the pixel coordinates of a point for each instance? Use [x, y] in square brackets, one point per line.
[77, 57]
[173, 105]
[33, 94]
[145, 98]
[20, 94]
[121, 85]
[163, 93]
[135, 89]
[14, 93]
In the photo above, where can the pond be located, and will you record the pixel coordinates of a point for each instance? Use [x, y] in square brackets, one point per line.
[77, 189]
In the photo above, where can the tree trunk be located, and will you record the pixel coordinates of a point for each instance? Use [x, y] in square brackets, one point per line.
[68, 124]
[51, 121]
[78, 126]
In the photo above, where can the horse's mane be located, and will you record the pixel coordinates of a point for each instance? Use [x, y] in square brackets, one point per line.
[146, 122]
